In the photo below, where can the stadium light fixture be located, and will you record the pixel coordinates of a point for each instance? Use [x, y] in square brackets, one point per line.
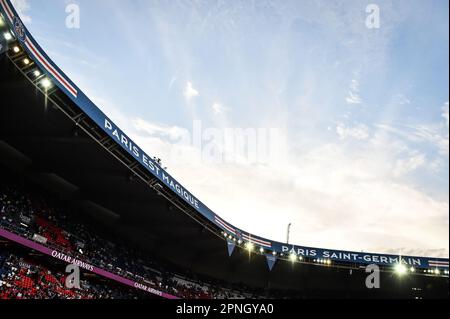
[274, 253]
[26, 61]
[400, 269]
[46, 83]
[225, 234]
[412, 269]
[240, 241]
[437, 271]
[7, 36]
[249, 246]
[36, 73]
[328, 262]
[16, 49]
[293, 257]
[300, 258]
[261, 250]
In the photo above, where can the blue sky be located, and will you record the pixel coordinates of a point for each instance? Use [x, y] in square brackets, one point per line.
[363, 112]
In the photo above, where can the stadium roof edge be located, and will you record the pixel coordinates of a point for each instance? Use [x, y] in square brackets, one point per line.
[63, 82]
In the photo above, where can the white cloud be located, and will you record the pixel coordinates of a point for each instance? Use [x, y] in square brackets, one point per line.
[359, 132]
[353, 94]
[219, 108]
[423, 135]
[172, 82]
[190, 92]
[353, 98]
[152, 129]
[22, 7]
[408, 165]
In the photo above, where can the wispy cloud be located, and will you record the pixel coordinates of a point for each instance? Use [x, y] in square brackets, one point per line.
[353, 93]
[22, 7]
[408, 165]
[174, 133]
[219, 108]
[359, 131]
[427, 135]
[172, 82]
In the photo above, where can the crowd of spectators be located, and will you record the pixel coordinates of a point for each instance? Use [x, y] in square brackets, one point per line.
[25, 277]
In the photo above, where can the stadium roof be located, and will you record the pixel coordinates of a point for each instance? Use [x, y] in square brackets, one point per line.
[51, 132]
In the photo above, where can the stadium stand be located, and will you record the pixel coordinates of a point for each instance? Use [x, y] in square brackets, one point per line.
[26, 277]
[29, 213]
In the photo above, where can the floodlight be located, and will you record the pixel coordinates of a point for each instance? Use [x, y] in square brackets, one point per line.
[400, 269]
[7, 36]
[46, 83]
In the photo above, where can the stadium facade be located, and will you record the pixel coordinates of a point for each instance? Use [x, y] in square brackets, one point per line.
[53, 136]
